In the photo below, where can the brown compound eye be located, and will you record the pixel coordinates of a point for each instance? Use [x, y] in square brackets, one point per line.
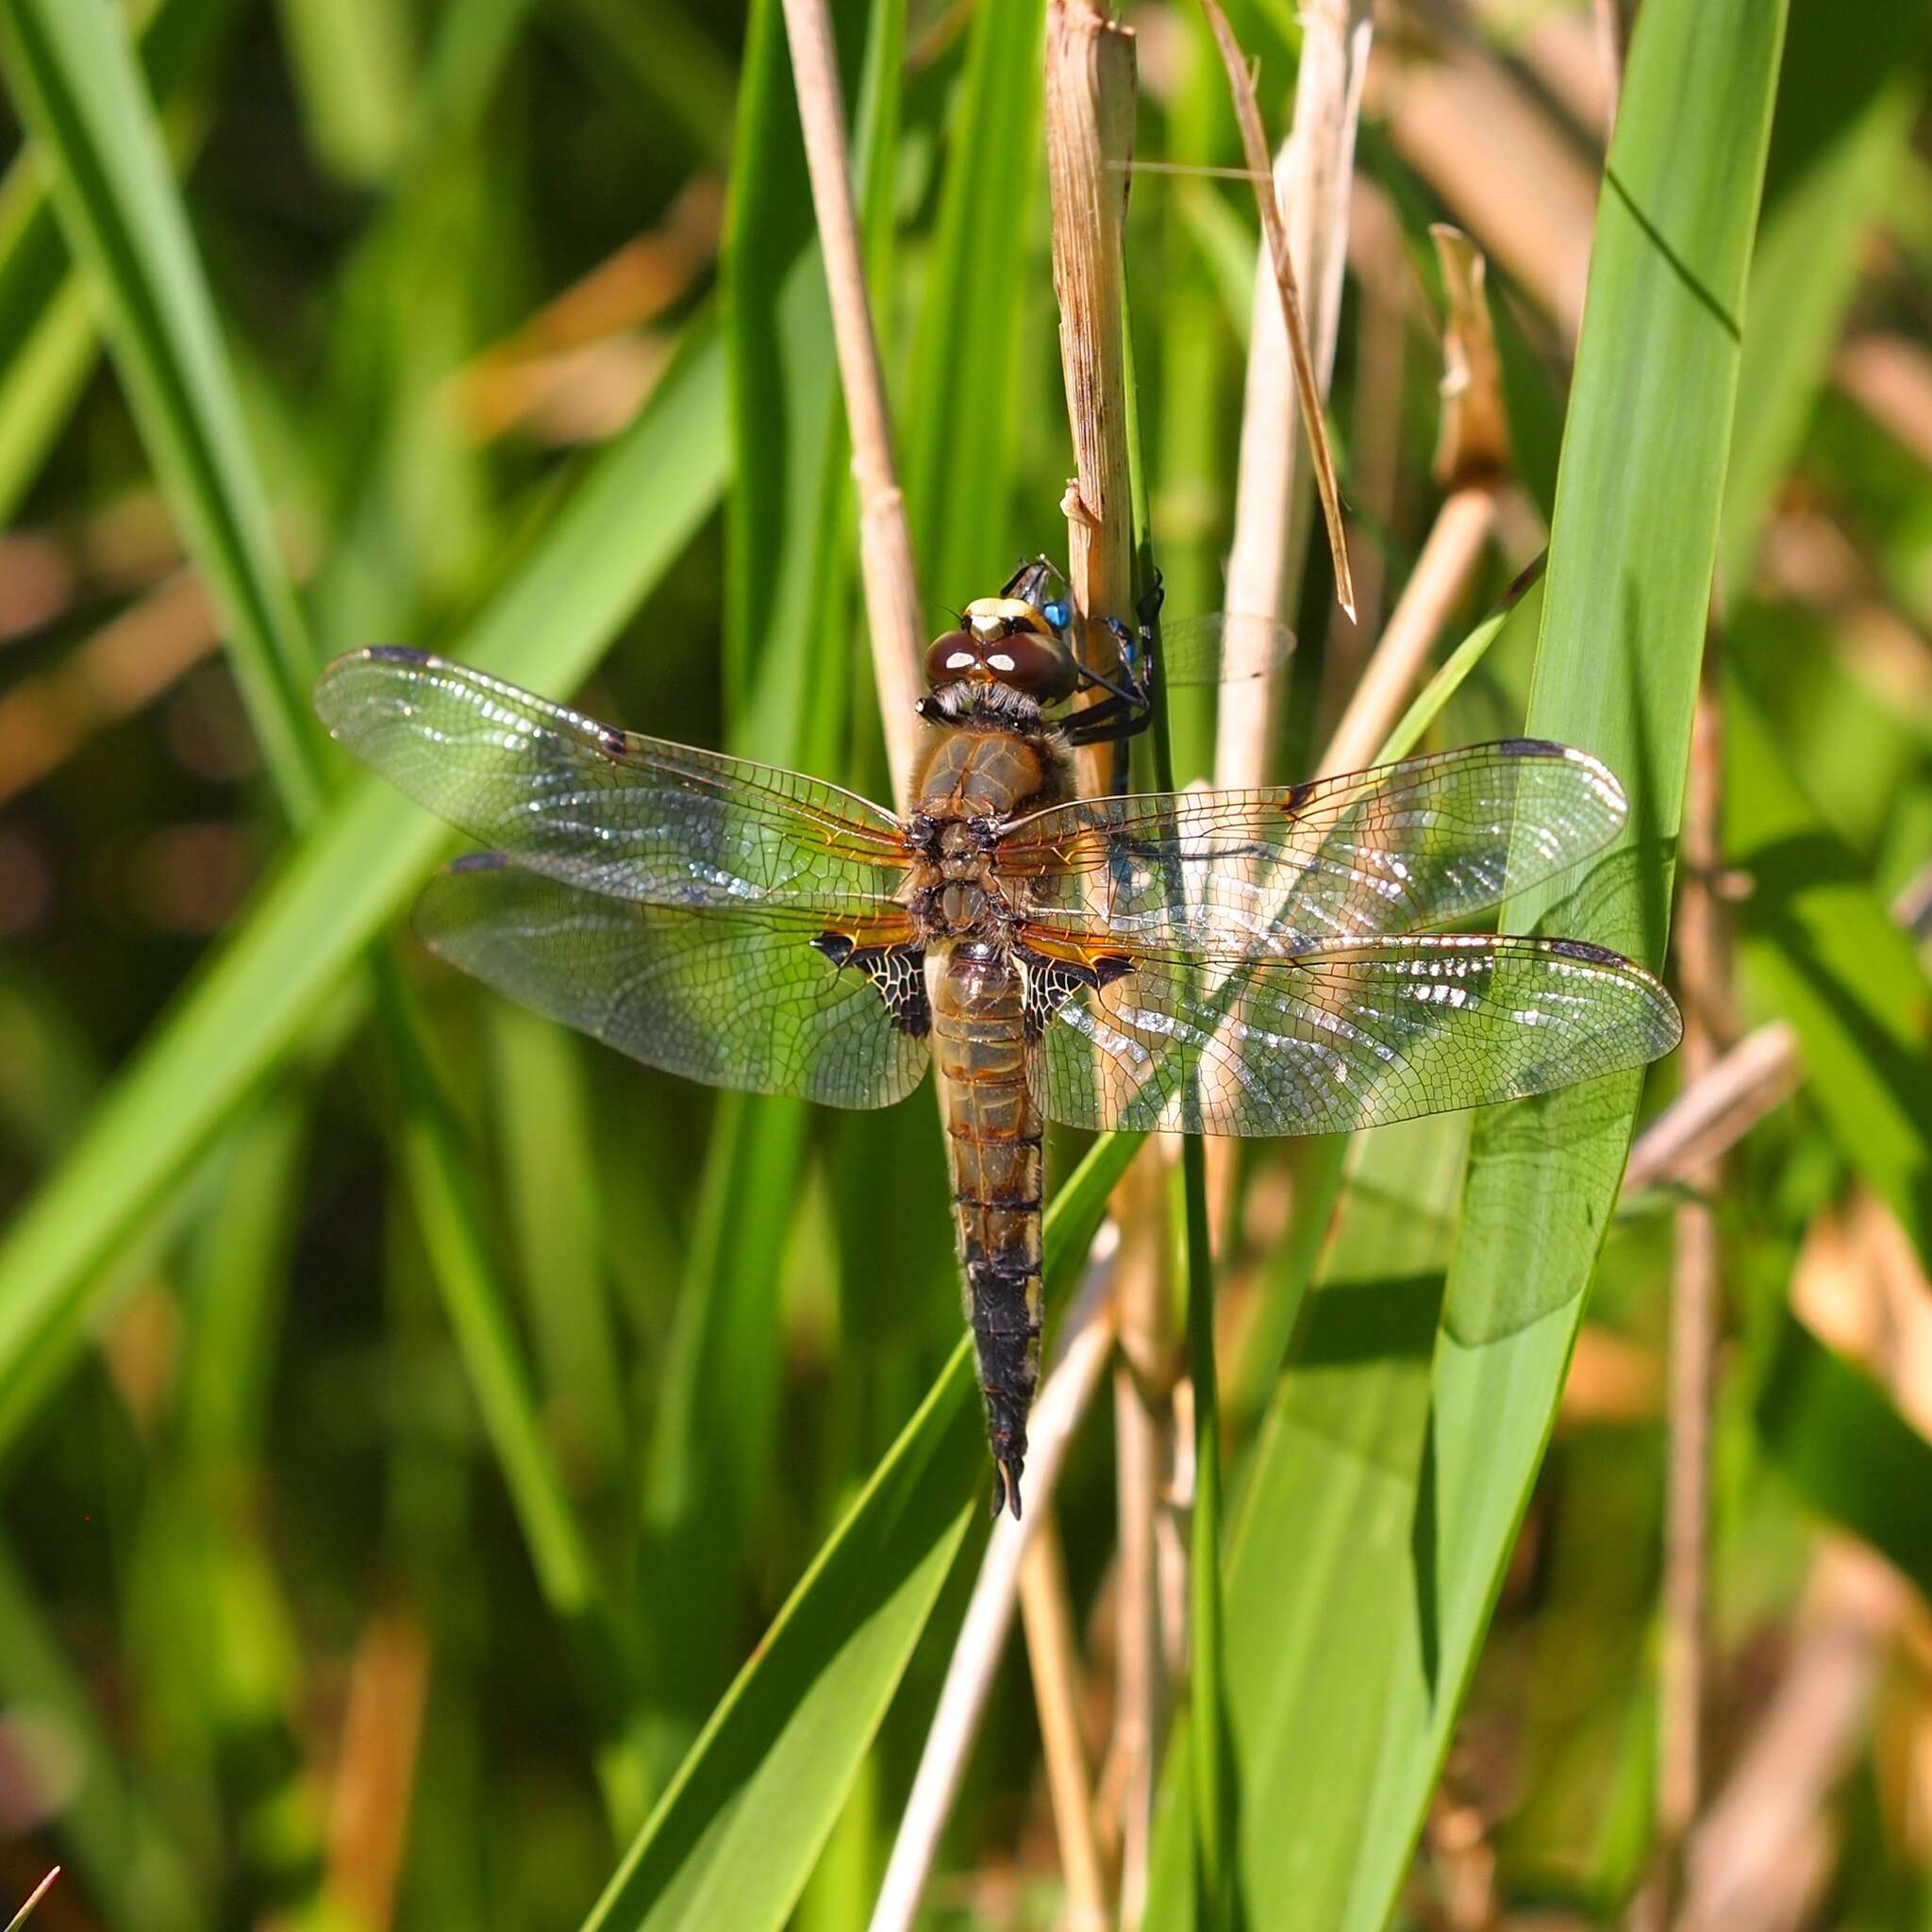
[951, 656]
[1041, 667]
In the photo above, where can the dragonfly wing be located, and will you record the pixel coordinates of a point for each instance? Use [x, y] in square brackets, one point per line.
[1345, 1036]
[762, 998]
[1429, 842]
[640, 818]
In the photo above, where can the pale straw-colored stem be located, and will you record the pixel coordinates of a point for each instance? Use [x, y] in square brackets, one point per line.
[1703, 984]
[893, 607]
[1279, 262]
[1063, 1400]
[1312, 182]
[1143, 1426]
[1435, 586]
[1048, 1619]
[1717, 1109]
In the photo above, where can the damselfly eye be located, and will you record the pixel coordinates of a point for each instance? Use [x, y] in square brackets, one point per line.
[951, 657]
[1056, 614]
[1041, 667]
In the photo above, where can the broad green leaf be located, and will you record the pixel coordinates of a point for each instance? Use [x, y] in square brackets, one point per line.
[1622, 624]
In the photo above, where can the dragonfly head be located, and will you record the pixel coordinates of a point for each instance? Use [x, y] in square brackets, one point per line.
[1006, 640]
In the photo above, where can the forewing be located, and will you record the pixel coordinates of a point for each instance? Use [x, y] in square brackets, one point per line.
[1430, 841]
[754, 998]
[635, 817]
[1348, 1035]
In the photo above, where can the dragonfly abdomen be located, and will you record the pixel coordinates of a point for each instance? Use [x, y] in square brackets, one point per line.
[993, 1134]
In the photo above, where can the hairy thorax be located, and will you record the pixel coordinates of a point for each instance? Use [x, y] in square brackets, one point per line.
[986, 760]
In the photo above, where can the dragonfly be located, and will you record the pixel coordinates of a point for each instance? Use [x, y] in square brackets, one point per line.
[1263, 961]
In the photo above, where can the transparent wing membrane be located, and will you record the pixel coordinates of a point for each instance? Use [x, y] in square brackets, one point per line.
[1430, 841]
[747, 999]
[612, 810]
[1345, 1035]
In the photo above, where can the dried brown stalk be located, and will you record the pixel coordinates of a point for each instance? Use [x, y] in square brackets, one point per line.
[1142, 1430]
[1086, 1341]
[1049, 1624]
[1471, 454]
[885, 537]
[1717, 1109]
[1312, 178]
[1281, 259]
[1091, 90]
[1764, 1846]
[369, 1811]
[1506, 168]
[1442, 574]
[1703, 981]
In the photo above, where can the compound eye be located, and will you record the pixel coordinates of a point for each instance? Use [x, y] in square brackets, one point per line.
[951, 656]
[1057, 614]
[1037, 665]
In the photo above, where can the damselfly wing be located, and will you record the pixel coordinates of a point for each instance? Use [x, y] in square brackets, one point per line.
[1257, 962]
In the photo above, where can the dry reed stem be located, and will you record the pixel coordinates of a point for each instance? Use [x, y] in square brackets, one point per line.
[1717, 1109]
[1471, 452]
[122, 668]
[1441, 574]
[1312, 175]
[1090, 86]
[1511, 174]
[1610, 47]
[1753, 1859]
[1281, 261]
[885, 537]
[1048, 1620]
[382, 1728]
[39, 1892]
[1086, 1341]
[1703, 982]
[1142, 1429]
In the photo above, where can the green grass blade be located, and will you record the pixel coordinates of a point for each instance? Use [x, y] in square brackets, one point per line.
[625, 523]
[77, 86]
[1403, 1598]
[791, 669]
[1632, 551]
[736, 1835]
[556, 1213]
[353, 69]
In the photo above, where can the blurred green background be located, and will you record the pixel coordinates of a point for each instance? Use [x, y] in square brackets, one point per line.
[412, 1417]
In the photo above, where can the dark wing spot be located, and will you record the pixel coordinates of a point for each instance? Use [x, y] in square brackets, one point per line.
[1582, 949]
[835, 946]
[1532, 748]
[482, 862]
[1297, 796]
[395, 654]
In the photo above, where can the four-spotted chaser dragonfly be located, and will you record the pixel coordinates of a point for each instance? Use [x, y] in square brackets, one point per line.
[1250, 963]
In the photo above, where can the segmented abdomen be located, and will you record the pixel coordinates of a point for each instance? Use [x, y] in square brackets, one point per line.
[993, 1135]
